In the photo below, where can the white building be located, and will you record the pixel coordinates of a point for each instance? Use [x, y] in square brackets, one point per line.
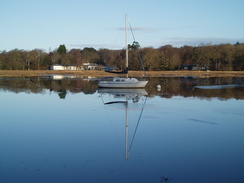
[56, 67]
[85, 66]
[90, 66]
[69, 67]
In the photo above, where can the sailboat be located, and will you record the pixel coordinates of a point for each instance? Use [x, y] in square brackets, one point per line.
[126, 82]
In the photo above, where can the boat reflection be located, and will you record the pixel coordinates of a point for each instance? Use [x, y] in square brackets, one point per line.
[129, 94]
[123, 96]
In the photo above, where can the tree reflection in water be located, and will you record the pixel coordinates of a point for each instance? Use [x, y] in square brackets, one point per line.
[170, 86]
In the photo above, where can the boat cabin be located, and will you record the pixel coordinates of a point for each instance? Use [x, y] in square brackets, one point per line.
[124, 80]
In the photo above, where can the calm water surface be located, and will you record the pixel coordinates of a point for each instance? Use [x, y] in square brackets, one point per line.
[70, 131]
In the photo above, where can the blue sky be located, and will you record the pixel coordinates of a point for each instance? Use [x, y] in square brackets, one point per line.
[45, 24]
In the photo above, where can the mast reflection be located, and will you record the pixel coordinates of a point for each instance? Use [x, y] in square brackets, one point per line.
[123, 96]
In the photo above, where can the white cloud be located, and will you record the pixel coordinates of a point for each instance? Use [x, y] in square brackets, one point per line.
[147, 29]
[96, 46]
[191, 41]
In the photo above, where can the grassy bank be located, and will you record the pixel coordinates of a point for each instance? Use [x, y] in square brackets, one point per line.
[93, 73]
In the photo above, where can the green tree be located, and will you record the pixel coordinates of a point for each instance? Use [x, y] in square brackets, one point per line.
[134, 46]
[62, 49]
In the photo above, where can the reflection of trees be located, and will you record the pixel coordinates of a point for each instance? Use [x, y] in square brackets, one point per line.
[40, 85]
[170, 87]
[74, 85]
[185, 87]
[27, 84]
[62, 93]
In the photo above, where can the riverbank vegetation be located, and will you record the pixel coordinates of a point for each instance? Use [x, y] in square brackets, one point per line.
[223, 57]
[94, 73]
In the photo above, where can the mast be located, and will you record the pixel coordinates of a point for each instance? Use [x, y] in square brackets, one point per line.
[126, 44]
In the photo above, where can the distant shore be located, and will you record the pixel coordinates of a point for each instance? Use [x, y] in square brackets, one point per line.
[94, 73]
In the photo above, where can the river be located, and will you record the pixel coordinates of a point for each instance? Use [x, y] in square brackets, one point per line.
[66, 129]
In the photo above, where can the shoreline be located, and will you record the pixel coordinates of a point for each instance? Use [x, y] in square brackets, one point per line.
[94, 73]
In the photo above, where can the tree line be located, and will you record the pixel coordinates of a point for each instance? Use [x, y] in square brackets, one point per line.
[223, 57]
